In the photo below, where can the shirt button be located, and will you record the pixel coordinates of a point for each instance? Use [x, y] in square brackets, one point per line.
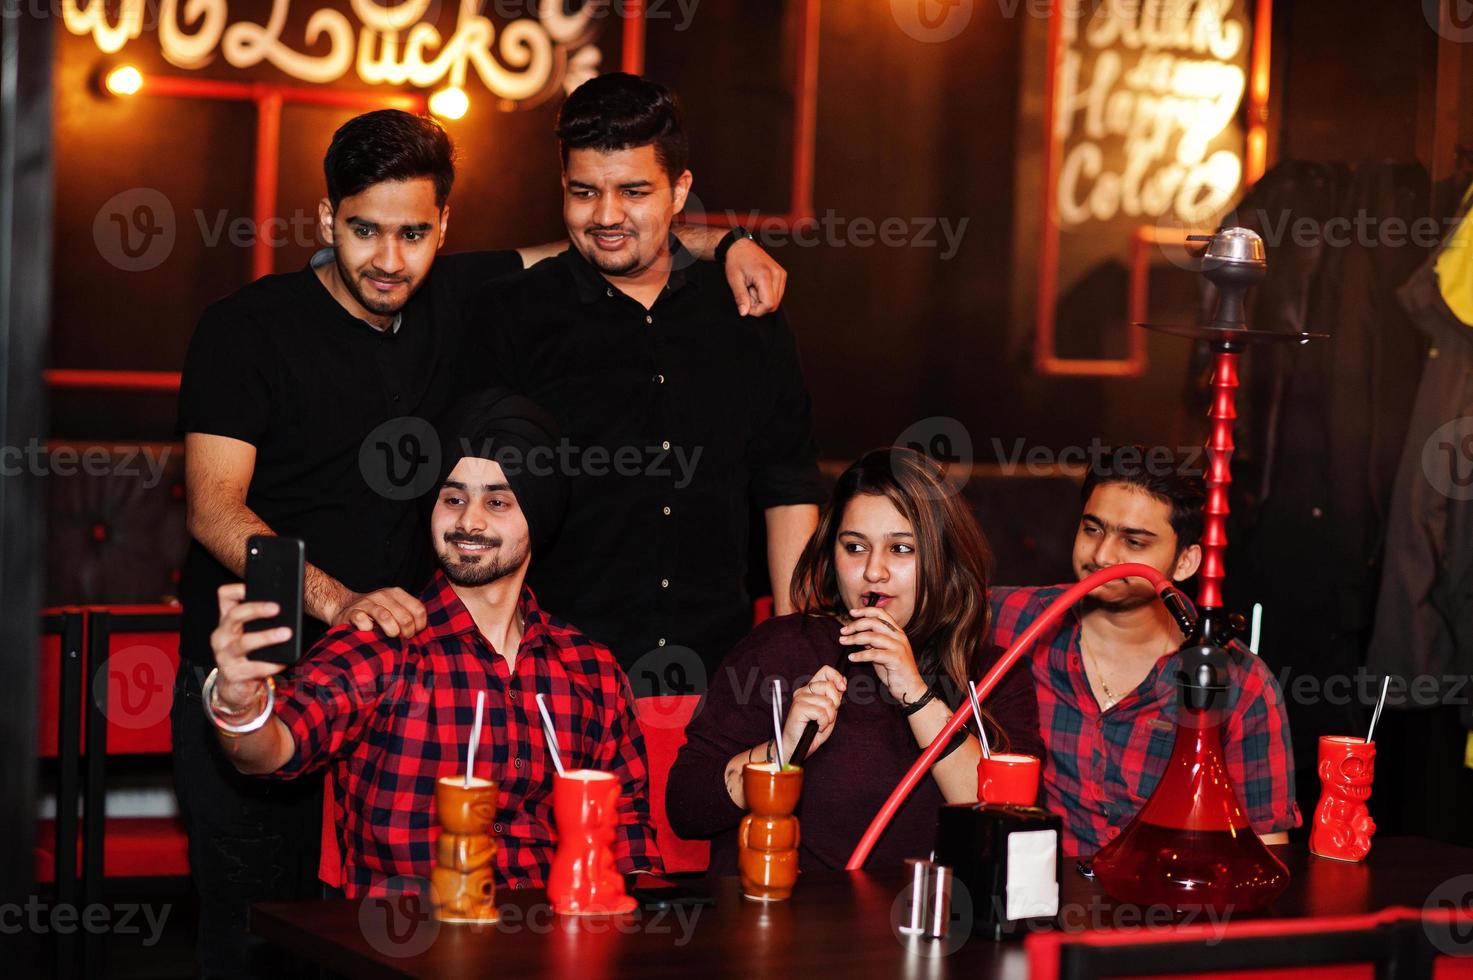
[662, 641]
[609, 291]
[512, 695]
[648, 318]
[664, 583]
[665, 444]
[516, 763]
[658, 379]
[496, 828]
[1112, 833]
[666, 511]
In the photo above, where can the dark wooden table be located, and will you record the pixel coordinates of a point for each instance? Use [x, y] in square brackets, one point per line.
[836, 925]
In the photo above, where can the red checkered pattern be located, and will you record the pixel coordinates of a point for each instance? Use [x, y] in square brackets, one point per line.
[1103, 766]
[391, 716]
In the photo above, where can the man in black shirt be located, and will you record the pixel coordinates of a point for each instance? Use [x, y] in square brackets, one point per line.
[304, 406]
[677, 416]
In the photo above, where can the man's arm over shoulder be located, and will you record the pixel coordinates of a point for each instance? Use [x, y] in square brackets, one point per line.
[499, 317]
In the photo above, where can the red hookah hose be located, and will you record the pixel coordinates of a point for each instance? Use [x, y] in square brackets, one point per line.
[1056, 609]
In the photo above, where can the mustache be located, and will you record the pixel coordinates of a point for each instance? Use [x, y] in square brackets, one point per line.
[472, 539]
[595, 229]
[375, 274]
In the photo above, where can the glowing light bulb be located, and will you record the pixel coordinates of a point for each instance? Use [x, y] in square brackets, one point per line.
[450, 103]
[124, 80]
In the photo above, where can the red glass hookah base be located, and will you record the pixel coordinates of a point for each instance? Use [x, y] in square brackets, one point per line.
[1191, 846]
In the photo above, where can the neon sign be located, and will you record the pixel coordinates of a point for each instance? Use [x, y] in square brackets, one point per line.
[392, 44]
[1141, 103]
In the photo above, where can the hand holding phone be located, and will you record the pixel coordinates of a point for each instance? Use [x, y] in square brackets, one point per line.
[275, 571]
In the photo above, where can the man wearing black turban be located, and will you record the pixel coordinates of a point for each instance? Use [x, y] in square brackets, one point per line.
[498, 424]
[388, 716]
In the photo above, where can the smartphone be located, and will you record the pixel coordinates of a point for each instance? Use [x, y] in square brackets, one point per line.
[275, 568]
[653, 892]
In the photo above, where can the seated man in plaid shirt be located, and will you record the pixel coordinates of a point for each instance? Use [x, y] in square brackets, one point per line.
[391, 715]
[1104, 674]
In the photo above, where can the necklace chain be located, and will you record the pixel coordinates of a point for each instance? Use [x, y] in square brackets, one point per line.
[1110, 698]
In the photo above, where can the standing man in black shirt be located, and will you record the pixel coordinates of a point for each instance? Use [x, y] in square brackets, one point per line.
[678, 417]
[304, 406]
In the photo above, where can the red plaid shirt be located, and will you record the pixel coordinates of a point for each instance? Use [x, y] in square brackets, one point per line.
[1103, 766]
[391, 716]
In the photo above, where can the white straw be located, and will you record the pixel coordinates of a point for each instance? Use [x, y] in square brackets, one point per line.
[977, 713]
[557, 760]
[470, 750]
[1257, 628]
[777, 718]
[1380, 703]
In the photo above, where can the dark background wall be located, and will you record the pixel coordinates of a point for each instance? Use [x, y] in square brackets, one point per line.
[906, 129]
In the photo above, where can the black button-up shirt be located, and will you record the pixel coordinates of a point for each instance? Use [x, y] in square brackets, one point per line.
[676, 421]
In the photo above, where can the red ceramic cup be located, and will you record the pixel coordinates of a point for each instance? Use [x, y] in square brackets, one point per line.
[1342, 825]
[583, 879]
[1008, 778]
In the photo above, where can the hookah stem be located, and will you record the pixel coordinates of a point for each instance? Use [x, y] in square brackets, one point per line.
[1223, 412]
[923, 763]
[805, 741]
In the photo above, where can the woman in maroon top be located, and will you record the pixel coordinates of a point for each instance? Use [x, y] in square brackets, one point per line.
[894, 577]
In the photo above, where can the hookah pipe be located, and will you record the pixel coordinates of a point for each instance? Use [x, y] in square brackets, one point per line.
[810, 730]
[1234, 261]
[1175, 601]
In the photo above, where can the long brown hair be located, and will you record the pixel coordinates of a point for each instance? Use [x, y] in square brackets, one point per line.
[951, 617]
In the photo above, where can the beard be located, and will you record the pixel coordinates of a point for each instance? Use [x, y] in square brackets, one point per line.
[613, 265]
[369, 302]
[470, 572]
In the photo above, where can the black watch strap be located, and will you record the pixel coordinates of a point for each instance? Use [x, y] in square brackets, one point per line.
[736, 234]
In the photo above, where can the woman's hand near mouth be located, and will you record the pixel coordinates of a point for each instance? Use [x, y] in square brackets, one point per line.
[888, 649]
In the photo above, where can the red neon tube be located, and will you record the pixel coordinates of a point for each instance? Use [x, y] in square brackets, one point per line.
[959, 718]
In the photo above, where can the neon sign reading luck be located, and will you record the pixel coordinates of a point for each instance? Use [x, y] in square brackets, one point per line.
[392, 45]
[1141, 103]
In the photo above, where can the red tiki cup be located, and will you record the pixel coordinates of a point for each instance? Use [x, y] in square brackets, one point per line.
[1342, 825]
[1008, 779]
[767, 840]
[583, 880]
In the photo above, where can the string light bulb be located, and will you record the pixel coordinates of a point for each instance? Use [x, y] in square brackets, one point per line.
[124, 80]
[450, 103]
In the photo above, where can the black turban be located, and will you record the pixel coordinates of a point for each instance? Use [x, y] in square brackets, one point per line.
[501, 425]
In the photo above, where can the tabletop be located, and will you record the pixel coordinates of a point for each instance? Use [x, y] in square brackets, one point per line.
[837, 924]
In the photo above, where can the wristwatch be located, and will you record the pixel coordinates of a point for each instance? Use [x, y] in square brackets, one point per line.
[736, 234]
